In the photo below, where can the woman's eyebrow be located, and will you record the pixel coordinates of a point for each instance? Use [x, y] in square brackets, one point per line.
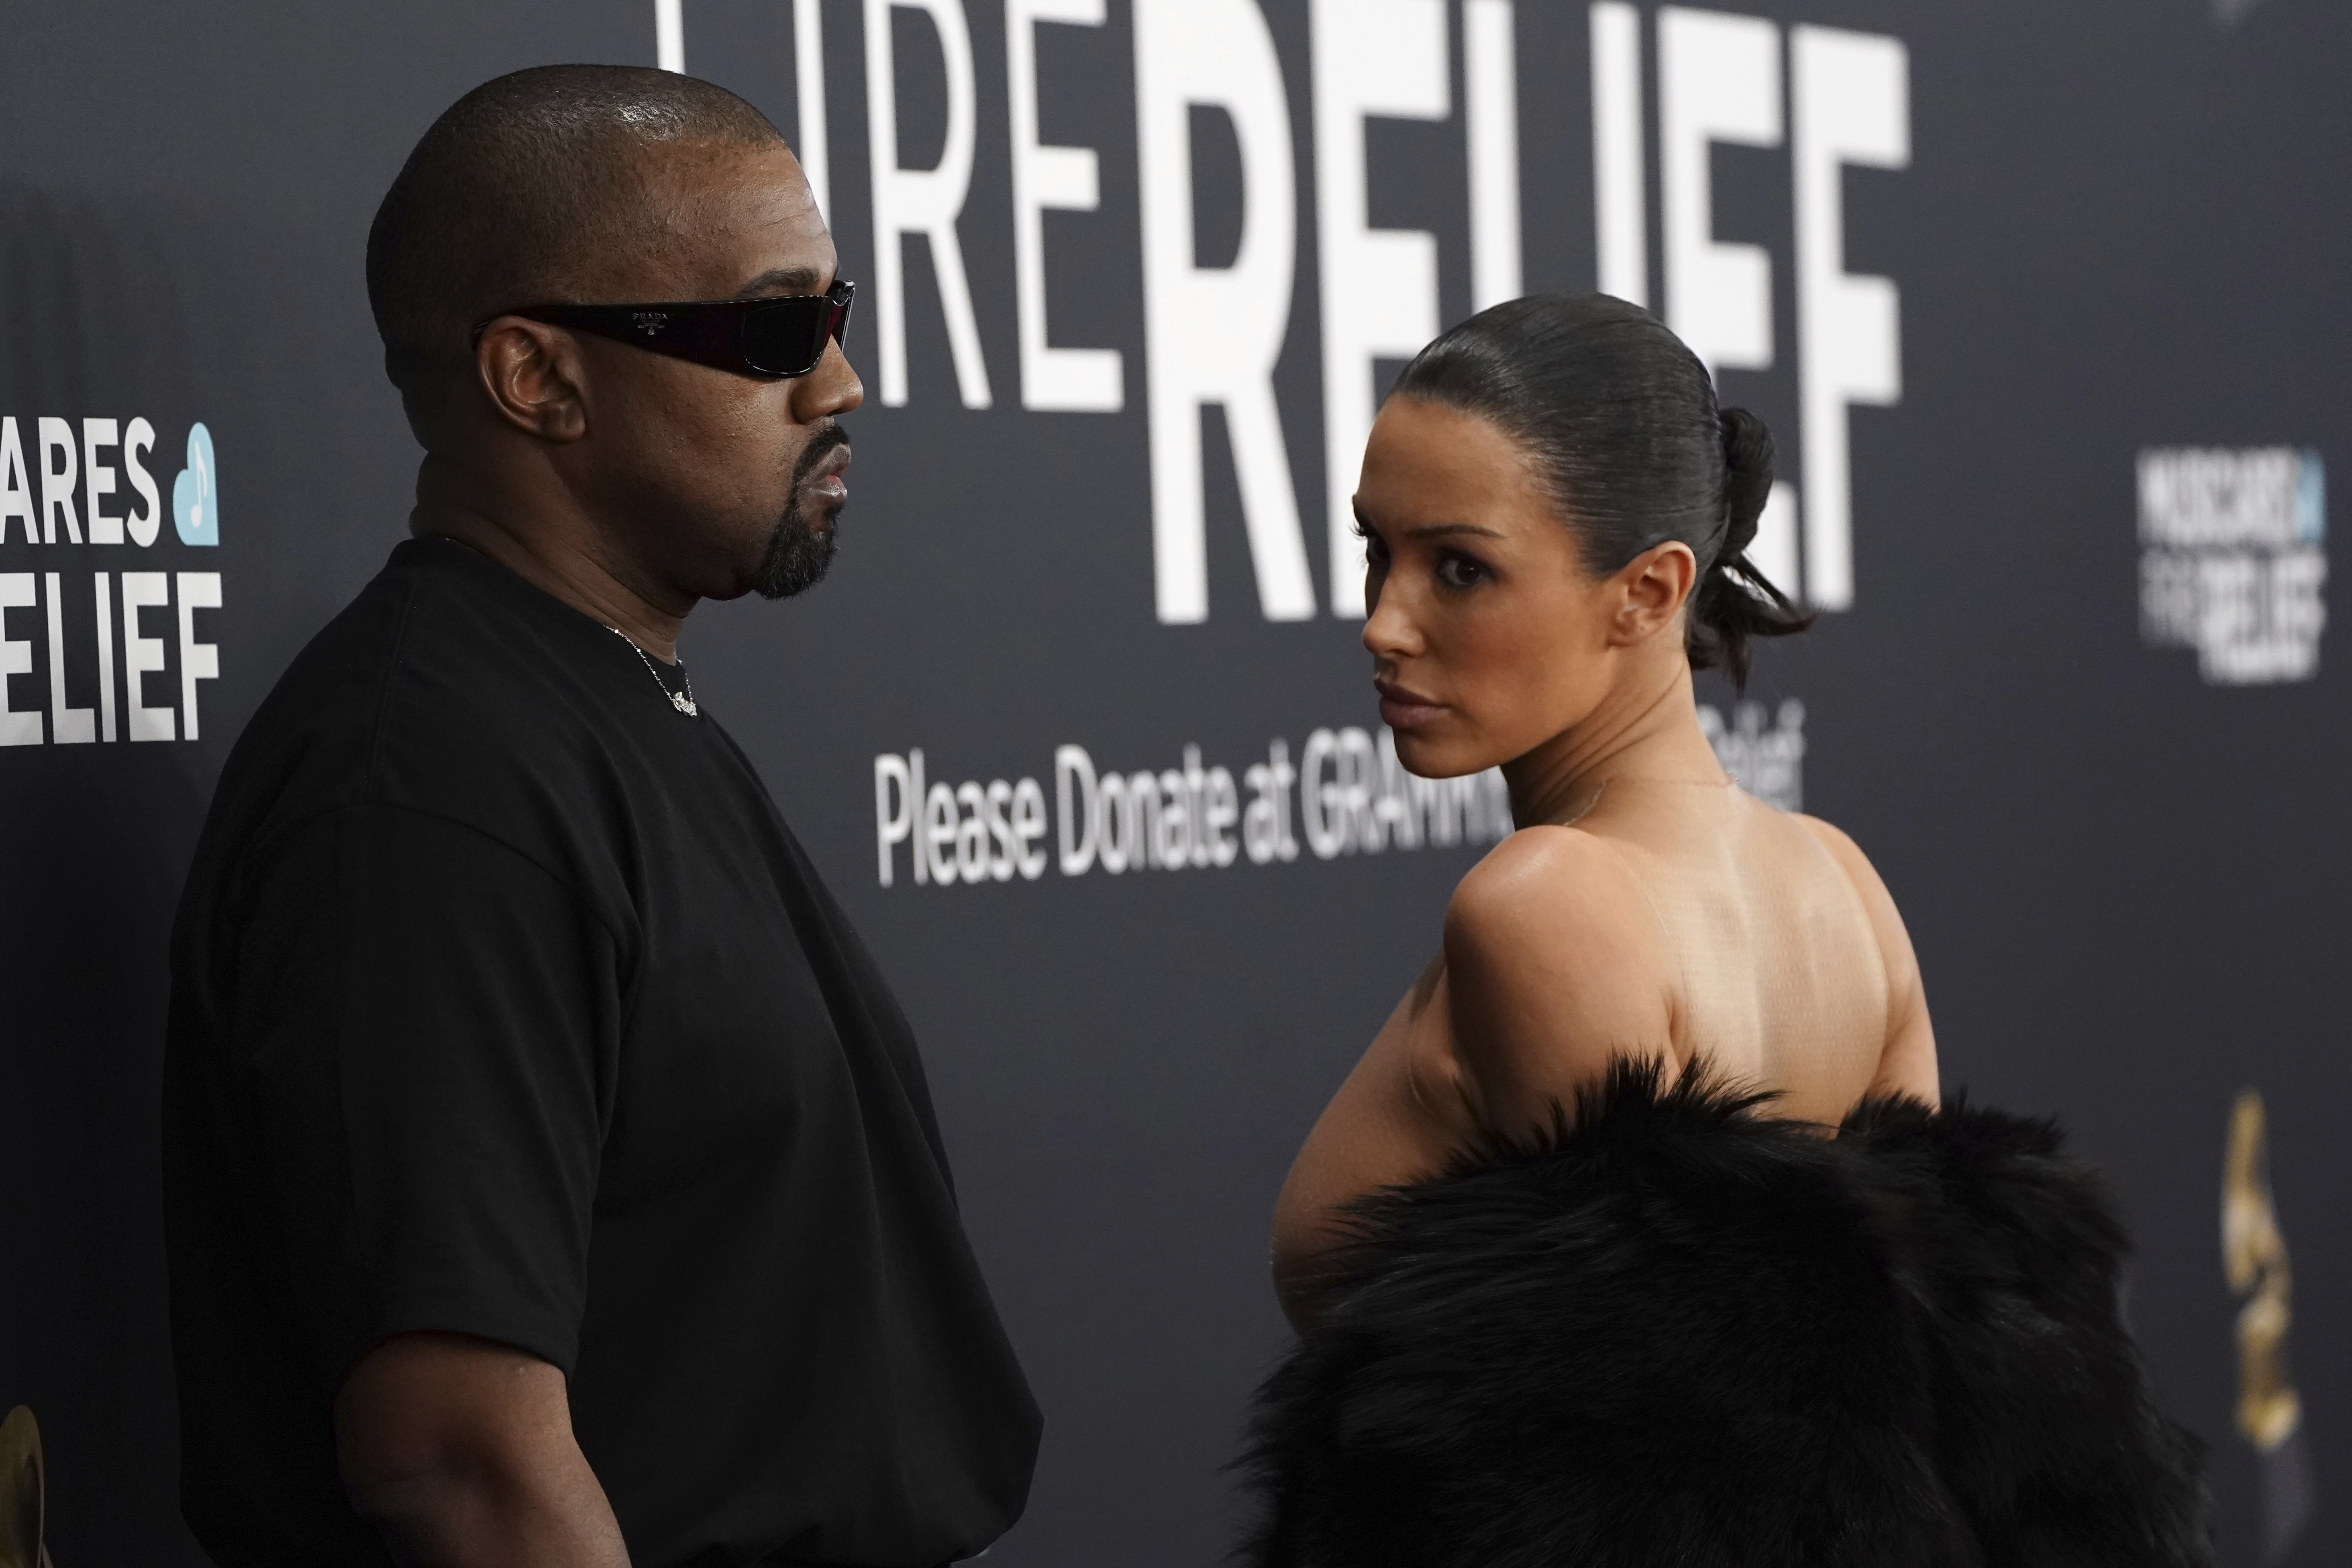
[1438, 530]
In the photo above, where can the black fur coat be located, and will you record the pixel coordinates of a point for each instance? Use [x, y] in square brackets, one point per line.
[1681, 1334]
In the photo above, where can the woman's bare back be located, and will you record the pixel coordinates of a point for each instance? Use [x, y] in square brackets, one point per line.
[1675, 921]
[1783, 981]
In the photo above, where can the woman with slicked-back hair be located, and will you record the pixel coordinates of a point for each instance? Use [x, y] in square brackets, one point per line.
[1641, 1233]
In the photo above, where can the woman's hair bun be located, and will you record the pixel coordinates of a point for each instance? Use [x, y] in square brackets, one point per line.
[1735, 602]
[1746, 477]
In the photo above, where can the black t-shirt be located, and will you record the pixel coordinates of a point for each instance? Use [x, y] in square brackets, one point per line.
[505, 1003]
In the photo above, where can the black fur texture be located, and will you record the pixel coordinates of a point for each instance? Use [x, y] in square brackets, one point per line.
[1678, 1333]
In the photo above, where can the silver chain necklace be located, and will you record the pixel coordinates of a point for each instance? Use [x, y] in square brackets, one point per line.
[681, 701]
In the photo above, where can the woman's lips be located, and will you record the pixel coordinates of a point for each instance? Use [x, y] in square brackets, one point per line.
[1405, 709]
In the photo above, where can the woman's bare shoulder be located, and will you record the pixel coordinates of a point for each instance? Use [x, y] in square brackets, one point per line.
[1547, 880]
[1555, 965]
[1848, 855]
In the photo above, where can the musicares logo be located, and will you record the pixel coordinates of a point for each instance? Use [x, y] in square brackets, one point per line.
[2233, 559]
[63, 500]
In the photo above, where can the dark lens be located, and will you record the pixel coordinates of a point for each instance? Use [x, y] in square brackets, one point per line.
[786, 337]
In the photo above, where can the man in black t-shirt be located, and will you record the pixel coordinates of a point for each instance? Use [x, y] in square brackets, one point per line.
[551, 1176]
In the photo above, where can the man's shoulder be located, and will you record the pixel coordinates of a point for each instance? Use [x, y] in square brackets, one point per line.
[436, 688]
[321, 717]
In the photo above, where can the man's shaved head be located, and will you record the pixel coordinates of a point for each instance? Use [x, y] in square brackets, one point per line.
[514, 193]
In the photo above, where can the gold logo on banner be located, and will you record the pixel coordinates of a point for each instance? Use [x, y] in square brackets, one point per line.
[2253, 1255]
[20, 1492]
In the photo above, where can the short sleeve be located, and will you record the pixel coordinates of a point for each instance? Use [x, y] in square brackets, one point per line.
[425, 1035]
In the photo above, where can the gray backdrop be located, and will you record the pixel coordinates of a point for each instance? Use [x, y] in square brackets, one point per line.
[2122, 225]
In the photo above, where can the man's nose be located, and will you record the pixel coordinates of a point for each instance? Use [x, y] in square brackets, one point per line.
[832, 388]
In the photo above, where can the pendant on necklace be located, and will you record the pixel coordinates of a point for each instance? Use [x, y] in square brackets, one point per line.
[681, 701]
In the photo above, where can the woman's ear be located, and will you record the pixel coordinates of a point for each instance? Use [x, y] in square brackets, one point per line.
[1651, 590]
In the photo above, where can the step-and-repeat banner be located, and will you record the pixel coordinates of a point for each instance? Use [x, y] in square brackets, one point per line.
[2047, 306]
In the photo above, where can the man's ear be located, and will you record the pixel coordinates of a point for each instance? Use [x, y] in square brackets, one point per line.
[1651, 589]
[533, 374]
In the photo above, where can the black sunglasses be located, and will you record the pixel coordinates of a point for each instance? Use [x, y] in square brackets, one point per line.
[769, 338]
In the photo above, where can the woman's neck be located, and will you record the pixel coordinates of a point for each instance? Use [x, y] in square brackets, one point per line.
[1648, 732]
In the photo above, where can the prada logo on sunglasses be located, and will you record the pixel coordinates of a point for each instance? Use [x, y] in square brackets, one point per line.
[649, 322]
